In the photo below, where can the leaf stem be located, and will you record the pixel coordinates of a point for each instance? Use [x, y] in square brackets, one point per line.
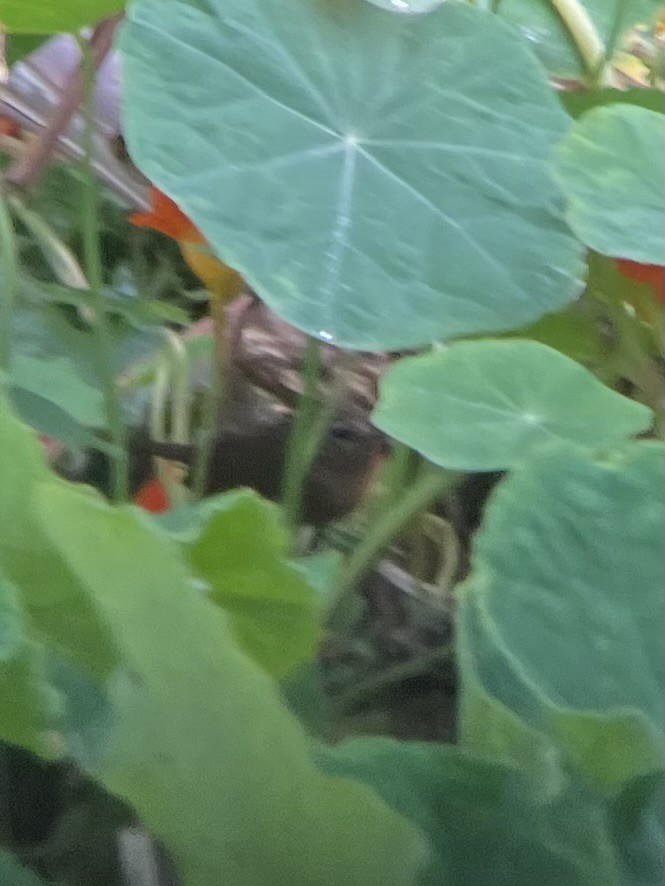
[299, 456]
[213, 396]
[431, 483]
[9, 266]
[94, 273]
[586, 38]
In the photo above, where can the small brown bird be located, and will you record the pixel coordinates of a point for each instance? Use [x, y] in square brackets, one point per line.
[249, 449]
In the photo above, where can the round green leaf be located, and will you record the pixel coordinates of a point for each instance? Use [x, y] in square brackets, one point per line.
[541, 25]
[241, 552]
[611, 168]
[486, 405]
[372, 187]
[561, 619]
[49, 17]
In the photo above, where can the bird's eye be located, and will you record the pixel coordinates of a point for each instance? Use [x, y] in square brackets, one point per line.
[340, 431]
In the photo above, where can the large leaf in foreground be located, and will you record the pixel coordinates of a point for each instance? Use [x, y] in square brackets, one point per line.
[486, 405]
[611, 168]
[200, 743]
[56, 607]
[561, 618]
[372, 186]
[491, 825]
[26, 705]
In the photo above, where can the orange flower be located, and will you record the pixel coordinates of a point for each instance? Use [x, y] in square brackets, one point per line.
[165, 216]
[152, 497]
[651, 275]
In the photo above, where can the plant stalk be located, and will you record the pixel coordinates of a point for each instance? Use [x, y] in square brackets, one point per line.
[299, 455]
[431, 484]
[93, 265]
[584, 35]
[9, 265]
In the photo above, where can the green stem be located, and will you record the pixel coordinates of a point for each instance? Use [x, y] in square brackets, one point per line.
[584, 35]
[394, 476]
[213, 395]
[299, 455]
[9, 266]
[431, 484]
[93, 265]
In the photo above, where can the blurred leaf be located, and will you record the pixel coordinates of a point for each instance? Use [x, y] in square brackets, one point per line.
[560, 625]
[56, 606]
[608, 286]
[58, 381]
[20, 45]
[359, 224]
[541, 25]
[576, 332]
[322, 570]
[639, 830]
[304, 694]
[487, 405]
[199, 743]
[242, 553]
[26, 705]
[136, 310]
[611, 168]
[47, 17]
[47, 418]
[490, 825]
[14, 874]
[578, 102]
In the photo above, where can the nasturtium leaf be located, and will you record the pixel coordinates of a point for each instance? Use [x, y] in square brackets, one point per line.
[47, 17]
[490, 825]
[486, 405]
[560, 622]
[56, 605]
[575, 332]
[45, 417]
[242, 554]
[58, 381]
[541, 24]
[366, 181]
[611, 168]
[199, 742]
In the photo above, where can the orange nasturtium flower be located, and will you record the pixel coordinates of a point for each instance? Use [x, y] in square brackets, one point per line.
[651, 275]
[221, 281]
[153, 497]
